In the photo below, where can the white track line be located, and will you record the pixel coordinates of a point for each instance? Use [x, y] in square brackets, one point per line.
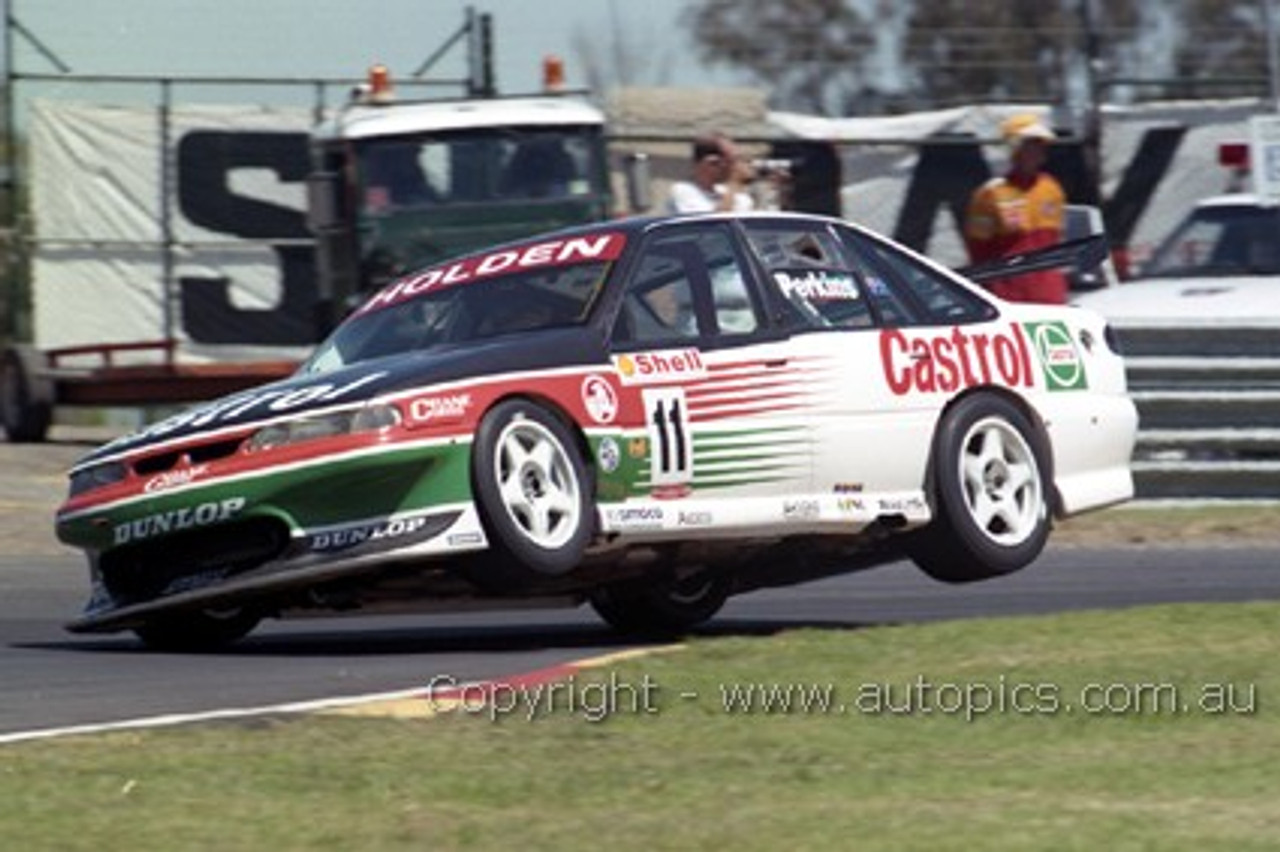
[211, 715]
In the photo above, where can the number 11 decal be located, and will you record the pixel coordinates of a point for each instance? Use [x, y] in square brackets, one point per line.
[670, 441]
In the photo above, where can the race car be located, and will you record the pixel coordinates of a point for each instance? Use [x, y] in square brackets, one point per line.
[647, 415]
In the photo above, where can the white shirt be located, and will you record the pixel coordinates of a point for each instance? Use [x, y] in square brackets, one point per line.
[688, 197]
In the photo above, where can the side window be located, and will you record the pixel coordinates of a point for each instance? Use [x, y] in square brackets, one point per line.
[735, 314]
[925, 295]
[659, 302]
[689, 284]
[811, 270]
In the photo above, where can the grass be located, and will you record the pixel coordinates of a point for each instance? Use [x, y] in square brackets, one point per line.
[1158, 524]
[693, 775]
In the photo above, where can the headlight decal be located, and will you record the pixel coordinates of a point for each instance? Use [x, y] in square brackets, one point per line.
[368, 418]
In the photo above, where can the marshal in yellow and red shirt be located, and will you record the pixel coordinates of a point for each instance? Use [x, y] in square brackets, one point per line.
[1007, 215]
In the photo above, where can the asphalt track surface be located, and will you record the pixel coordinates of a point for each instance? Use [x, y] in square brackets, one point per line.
[50, 679]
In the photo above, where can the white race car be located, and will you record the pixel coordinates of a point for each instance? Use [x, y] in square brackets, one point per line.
[647, 414]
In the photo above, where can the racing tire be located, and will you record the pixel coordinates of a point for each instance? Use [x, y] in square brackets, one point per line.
[26, 404]
[198, 630]
[663, 610]
[534, 495]
[991, 475]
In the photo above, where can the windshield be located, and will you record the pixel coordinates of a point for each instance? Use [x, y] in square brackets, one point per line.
[477, 310]
[1239, 239]
[425, 198]
[482, 165]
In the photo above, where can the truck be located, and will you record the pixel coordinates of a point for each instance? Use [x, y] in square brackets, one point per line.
[404, 184]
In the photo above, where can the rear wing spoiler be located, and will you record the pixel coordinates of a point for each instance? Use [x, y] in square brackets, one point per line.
[1083, 256]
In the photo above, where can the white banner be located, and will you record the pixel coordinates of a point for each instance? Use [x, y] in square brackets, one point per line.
[98, 267]
[242, 283]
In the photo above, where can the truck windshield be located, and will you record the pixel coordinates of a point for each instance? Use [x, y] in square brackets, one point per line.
[1236, 239]
[422, 199]
[478, 166]
[459, 314]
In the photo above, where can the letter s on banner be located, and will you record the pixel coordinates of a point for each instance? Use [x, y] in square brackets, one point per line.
[206, 161]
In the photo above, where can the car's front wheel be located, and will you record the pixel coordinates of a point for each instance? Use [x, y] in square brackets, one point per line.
[667, 608]
[992, 509]
[533, 493]
[198, 630]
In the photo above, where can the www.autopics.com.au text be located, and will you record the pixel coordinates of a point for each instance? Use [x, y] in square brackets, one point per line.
[597, 698]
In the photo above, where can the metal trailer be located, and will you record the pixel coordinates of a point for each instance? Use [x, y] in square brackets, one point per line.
[33, 382]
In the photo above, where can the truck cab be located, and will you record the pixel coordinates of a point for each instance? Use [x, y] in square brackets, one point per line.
[400, 185]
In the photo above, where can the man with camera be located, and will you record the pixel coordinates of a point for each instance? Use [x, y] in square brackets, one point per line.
[719, 180]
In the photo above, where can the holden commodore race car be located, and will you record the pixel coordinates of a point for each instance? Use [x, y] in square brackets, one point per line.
[646, 415]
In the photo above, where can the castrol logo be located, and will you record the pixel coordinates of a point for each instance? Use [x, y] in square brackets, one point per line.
[946, 362]
[1063, 366]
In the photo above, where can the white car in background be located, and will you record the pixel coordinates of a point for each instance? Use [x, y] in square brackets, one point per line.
[1221, 267]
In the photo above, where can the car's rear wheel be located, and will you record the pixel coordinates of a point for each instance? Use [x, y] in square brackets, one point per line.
[992, 509]
[198, 630]
[533, 492]
[667, 608]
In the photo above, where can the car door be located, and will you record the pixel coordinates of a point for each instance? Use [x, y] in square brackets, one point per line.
[859, 307]
[715, 401]
[856, 430]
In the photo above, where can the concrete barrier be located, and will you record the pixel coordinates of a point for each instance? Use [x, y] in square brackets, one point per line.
[1209, 406]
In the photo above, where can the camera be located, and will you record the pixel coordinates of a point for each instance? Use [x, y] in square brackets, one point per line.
[772, 167]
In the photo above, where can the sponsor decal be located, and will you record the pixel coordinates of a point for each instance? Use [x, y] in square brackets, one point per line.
[350, 537]
[609, 455]
[186, 518]
[671, 492]
[262, 402]
[606, 246]
[435, 409]
[932, 362]
[851, 505]
[949, 361]
[1063, 367]
[847, 488]
[174, 478]
[638, 448]
[695, 518]
[901, 504]
[599, 399]
[800, 510]
[467, 539]
[817, 286]
[636, 517]
[650, 367]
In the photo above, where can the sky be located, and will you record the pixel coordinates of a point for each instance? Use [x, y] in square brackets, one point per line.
[328, 38]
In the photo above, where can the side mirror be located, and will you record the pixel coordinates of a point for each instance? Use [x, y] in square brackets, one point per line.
[639, 177]
[324, 201]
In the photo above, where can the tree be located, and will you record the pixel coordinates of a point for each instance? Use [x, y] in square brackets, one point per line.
[815, 55]
[840, 56]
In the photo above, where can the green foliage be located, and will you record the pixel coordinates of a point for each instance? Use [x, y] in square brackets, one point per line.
[848, 57]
